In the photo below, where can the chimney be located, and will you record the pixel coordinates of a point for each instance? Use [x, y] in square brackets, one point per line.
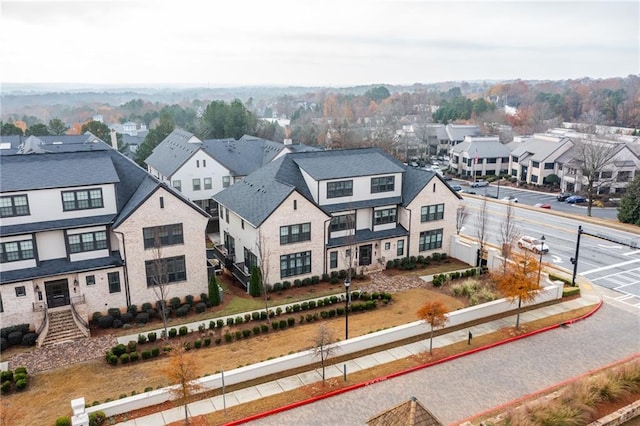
[114, 139]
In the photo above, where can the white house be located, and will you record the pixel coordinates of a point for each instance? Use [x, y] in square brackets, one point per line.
[479, 156]
[535, 158]
[312, 213]
[82, 226]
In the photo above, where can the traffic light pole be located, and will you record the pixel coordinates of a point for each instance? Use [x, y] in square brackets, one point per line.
[574, 260]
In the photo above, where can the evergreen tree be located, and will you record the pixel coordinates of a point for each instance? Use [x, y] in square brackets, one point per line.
[214, 292]
[255, 288]
[629, 211]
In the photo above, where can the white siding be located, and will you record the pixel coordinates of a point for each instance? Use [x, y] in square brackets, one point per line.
[190, 170]
[51, 245]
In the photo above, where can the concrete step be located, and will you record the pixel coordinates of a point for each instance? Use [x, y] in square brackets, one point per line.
[62, 328]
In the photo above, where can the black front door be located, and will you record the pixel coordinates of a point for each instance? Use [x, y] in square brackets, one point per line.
[57, 293]
[365, 255]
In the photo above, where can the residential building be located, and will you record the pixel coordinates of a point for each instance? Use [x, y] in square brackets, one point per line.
[534, 158]
[83, 229]
[311, 213]
[201, 168]
[457, 132]
[479, 156]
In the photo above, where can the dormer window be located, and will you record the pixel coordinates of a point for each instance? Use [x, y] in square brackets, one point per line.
[341, 188]
[14, 205]
[81, 200]
[382, 184]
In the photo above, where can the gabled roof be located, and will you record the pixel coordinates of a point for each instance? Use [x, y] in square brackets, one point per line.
[173, 152]
[540, 147]
[485, 146]
[344, 163]
[457, 132]
[242, 156]
[42, 171]
[408, 413]
[415, 180]
[62, 143]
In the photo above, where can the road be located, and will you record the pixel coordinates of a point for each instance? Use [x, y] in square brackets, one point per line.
[606, 263]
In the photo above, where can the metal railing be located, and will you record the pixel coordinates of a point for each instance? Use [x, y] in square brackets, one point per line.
[77, 316]
[45, 320]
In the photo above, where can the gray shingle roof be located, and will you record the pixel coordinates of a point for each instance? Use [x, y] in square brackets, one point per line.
[486, 147]
[363, 235]
[50, 225]
[41, 171]
[457, 132]
[63, 143]
[338, 164]
[172, 152]
[244, 156]
[539, 147]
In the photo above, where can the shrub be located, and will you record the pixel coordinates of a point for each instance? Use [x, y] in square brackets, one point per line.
[183, 331]
[324, 314]
[98, 418]
[119, 349]
[312, 304]
[340, 311]
[315, 279]
[182, 311]
[200, 307]
[278, 310]
[309, 318]
[218, 340]
[306, 282]
[112, 359]
[229, 321]
[186, 346]
[219, 323]
[304, 306]
[124, 358]
[133, 356]
[291, 321]
[333, 299]
[29, 339]
[296, 307]
[142, 339]
[152, 336]
[207, 341]
[228, 337]
[105, 321]
[435, 257]
[142, 318]
[277, 286]
[118, 323]
[21, 384]
[320, 303]
[326, 278]
[126, 318]
[63, 421]
[6, 375]
[133, 309]
[286, 285]
[247, 317]
[96, 316]
[197, 344]
[114, 312]
[173, 332]
[20, 370]
[5, 387]
[256, 330]
[255, 316]
[297, 283]
[146, 354]
[238, 334]
[155, 352]
[283, 324]
[146, 306]
[189, 299]
[239, 320]
[274, 325]
[246, 333]
[264, 328]
[132, 346]
[175, 303]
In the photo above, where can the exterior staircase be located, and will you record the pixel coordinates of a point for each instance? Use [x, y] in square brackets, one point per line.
[62, 328]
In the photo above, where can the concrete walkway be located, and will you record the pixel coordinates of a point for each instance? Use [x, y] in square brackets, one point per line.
[246, 395]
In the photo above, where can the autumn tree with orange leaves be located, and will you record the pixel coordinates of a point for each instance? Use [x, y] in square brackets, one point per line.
[181, 372]
[518, 280]
[435, 314]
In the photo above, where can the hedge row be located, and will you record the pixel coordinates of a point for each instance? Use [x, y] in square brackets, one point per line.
[17, 335]
[439, 279]
[413, 262]
[334, 277]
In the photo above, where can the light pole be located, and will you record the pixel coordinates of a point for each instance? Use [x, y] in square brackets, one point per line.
[540, 262]
[574, 260]
[347, 283]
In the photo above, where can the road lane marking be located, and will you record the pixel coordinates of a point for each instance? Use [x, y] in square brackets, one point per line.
[604, 268]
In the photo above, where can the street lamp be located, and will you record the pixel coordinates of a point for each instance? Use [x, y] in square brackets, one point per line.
[540, 263]
[347, 283]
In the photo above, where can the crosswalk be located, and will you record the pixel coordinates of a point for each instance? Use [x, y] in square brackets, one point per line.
[625, 282]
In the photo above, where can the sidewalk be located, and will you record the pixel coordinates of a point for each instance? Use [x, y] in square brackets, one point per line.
[588, 297]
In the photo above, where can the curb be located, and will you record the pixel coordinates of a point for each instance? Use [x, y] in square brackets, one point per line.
[408, 370]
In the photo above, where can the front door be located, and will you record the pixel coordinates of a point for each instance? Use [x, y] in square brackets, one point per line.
[57, 293]
[365, 255]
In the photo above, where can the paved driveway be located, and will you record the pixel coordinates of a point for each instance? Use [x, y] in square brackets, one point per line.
[461, 388]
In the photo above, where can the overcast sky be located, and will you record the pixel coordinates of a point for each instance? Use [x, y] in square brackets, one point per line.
[314, 42]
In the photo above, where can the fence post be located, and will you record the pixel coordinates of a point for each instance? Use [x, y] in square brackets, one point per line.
[80, 417]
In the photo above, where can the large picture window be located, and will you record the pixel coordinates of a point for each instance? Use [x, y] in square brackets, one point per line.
[381, 217]
[433, 212]
[342, 188]
[295, 264]
[82, 199]
[165, 271]
[343, 222]
[383, 184]
[88, 241]
[165, 235]
[295, 233]
[14, 205]
[430, 240]
[16, 250]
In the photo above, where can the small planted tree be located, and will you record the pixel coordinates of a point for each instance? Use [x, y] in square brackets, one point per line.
[181, 371]
[518, 280]
[322, 346]
[435, 314]
[255, 289]
[214, 291]
[462, 215]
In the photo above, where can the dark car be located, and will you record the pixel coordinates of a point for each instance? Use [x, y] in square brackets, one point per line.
[576, 199]
[563, 196]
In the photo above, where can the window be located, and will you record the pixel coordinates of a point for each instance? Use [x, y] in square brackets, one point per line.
[16, 250]
[165, 271]
[177, 184]
[242, 223]
[342, 188]
[343, 222]
[623, 176]
[333, 260]
[226, 213]
[535, 164]
[608, 174]
[469, 162]
[88, 241]
[81, 200]
[534, 178]
[14, 205]
[295, 233]
[382, 184]
[222, 213]
[204, 163]
[91, 279]
[197, 163]
[514, 172]
[250, 260]
[295, 204]
[226, 181]
[295, 264]
[492, 160]
[196, 184]
[400, 248]
[1, 305]
[114, 282]
[430, 240]
[161, 202]
[548, 166]
[514, 159]
[387, 246]
[504, 160]
[381, 217]
[21, 291]
[433, 212]
[166, 235]
[207, 183]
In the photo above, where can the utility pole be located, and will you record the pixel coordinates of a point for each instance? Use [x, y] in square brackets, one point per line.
[574, 260]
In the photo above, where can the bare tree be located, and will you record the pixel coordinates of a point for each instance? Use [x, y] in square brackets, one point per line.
[160, 284]
[322, 346]
[462, 215]
[264, 254]
[593, 157]
[509, 233]
[350, 243]
[482, 225]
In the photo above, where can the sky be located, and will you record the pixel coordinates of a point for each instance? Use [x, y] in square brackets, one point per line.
[314, 42]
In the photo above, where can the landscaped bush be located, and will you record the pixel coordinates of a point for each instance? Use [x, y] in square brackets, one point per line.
[5, 387]
[105, 321]
[230, 321]
[264, 328]
[152, 336]
[200, 307]
[182, 311]
[96, 316]
[117, 323]
[274, 325]
[228, 337]
[114, 312]
[291, 321]
[175, 303]
[189, 299]
[132, 346]
[306, 282]
[124, 359]
[146, 306]
[277, 286]
[256, 330]
[238, 334]
[142, 318]
[219, 323]
[133, 356]
[97, 418]
[239, 320]
[126, 318]
[63, 421]
[173, 332]
[132, 309]
[206, 341]
[146, 354]
[29, 339]
[246, 333]
[297, 283]
[14, 338]
[21, 384]
[142, 339]
[155, 352]
[6, 375]
[197, 344]
[315, 279]
[183, 331]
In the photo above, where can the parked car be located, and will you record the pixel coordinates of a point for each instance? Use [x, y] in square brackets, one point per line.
[479, 183]
[533, 244]
[511, 199]
[576, 199]
[543, 206]
[456, 188]
[563, 196]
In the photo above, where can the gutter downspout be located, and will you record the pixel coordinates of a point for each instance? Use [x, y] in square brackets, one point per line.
[325, 250]
[127, 290]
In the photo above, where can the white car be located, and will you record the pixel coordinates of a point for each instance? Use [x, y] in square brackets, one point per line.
[512, 199]
[533, 244]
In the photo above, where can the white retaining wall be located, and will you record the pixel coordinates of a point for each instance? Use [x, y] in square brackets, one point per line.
[301, 359]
